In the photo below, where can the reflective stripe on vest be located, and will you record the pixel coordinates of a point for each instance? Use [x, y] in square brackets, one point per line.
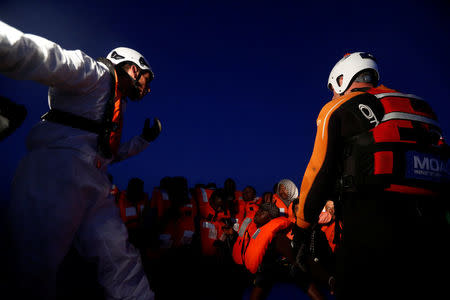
[383, 95]
[410, 117]
[244, 226]
[204, 195]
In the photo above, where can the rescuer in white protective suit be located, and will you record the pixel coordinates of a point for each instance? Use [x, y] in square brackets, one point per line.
[61, 192]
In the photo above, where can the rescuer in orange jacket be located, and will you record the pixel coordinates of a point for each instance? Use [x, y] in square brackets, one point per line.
[382, 154]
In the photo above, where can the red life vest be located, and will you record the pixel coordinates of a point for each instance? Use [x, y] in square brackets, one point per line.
[131, 213]
[257, 246]
[403, 153]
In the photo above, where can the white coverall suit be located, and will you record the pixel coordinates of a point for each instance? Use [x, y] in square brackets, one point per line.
[60, 197]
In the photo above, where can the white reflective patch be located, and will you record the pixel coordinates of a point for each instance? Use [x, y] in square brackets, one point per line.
[205, 196]
[130, 211]
[165, 241]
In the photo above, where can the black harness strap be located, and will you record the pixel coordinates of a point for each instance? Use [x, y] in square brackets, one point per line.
[103, 128]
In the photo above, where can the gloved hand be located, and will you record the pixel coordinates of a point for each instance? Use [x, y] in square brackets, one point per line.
[301, 236]
[12, 116]
[300, 244]
[151, 133]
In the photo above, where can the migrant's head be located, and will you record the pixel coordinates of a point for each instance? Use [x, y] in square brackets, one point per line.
[265, 213]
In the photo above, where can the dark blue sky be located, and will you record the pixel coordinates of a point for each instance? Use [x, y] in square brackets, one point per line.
[239, 84]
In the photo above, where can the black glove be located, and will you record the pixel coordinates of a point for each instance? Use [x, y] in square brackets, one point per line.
[151, 133]
[300, 244]
[301, 236]
[12, 116]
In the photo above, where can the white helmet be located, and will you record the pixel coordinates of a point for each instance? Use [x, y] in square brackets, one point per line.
[350, 65]
[123, 54]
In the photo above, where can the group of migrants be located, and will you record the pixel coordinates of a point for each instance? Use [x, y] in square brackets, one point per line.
[379, 157]
[241, 238]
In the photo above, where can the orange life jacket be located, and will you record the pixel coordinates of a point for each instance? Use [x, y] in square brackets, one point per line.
[240, 206]
[246, 230]
[211, 228]
[403, 153]
[284, 211]
[178, 232]
[329, 230]
[251, 207]
[185, 226]
[201, 197]
[131, 213]
[109, 138]
[161, 201]
[254, 252]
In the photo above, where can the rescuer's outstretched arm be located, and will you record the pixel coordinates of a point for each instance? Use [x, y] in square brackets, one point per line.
[30, 57]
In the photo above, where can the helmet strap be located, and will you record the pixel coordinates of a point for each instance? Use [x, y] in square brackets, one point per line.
[130, 85]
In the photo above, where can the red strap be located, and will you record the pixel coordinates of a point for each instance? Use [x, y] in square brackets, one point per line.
[383, 162]
[404, 189]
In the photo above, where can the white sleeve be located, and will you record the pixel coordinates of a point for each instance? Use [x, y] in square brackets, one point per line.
[134, 146]
[30, 57]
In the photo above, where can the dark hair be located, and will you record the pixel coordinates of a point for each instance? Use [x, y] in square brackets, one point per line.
[135, 189]
[367, 76]
[252, 188]
[271, 208]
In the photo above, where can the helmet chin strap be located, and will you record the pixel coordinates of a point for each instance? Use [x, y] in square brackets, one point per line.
[133, 89]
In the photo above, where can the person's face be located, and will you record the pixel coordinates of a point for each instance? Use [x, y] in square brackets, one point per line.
[261, 217]
[329, 207]
[144, 81]
[283, 192]
[267, 198]
[218, 204]
[248, 194]
[229, 185]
